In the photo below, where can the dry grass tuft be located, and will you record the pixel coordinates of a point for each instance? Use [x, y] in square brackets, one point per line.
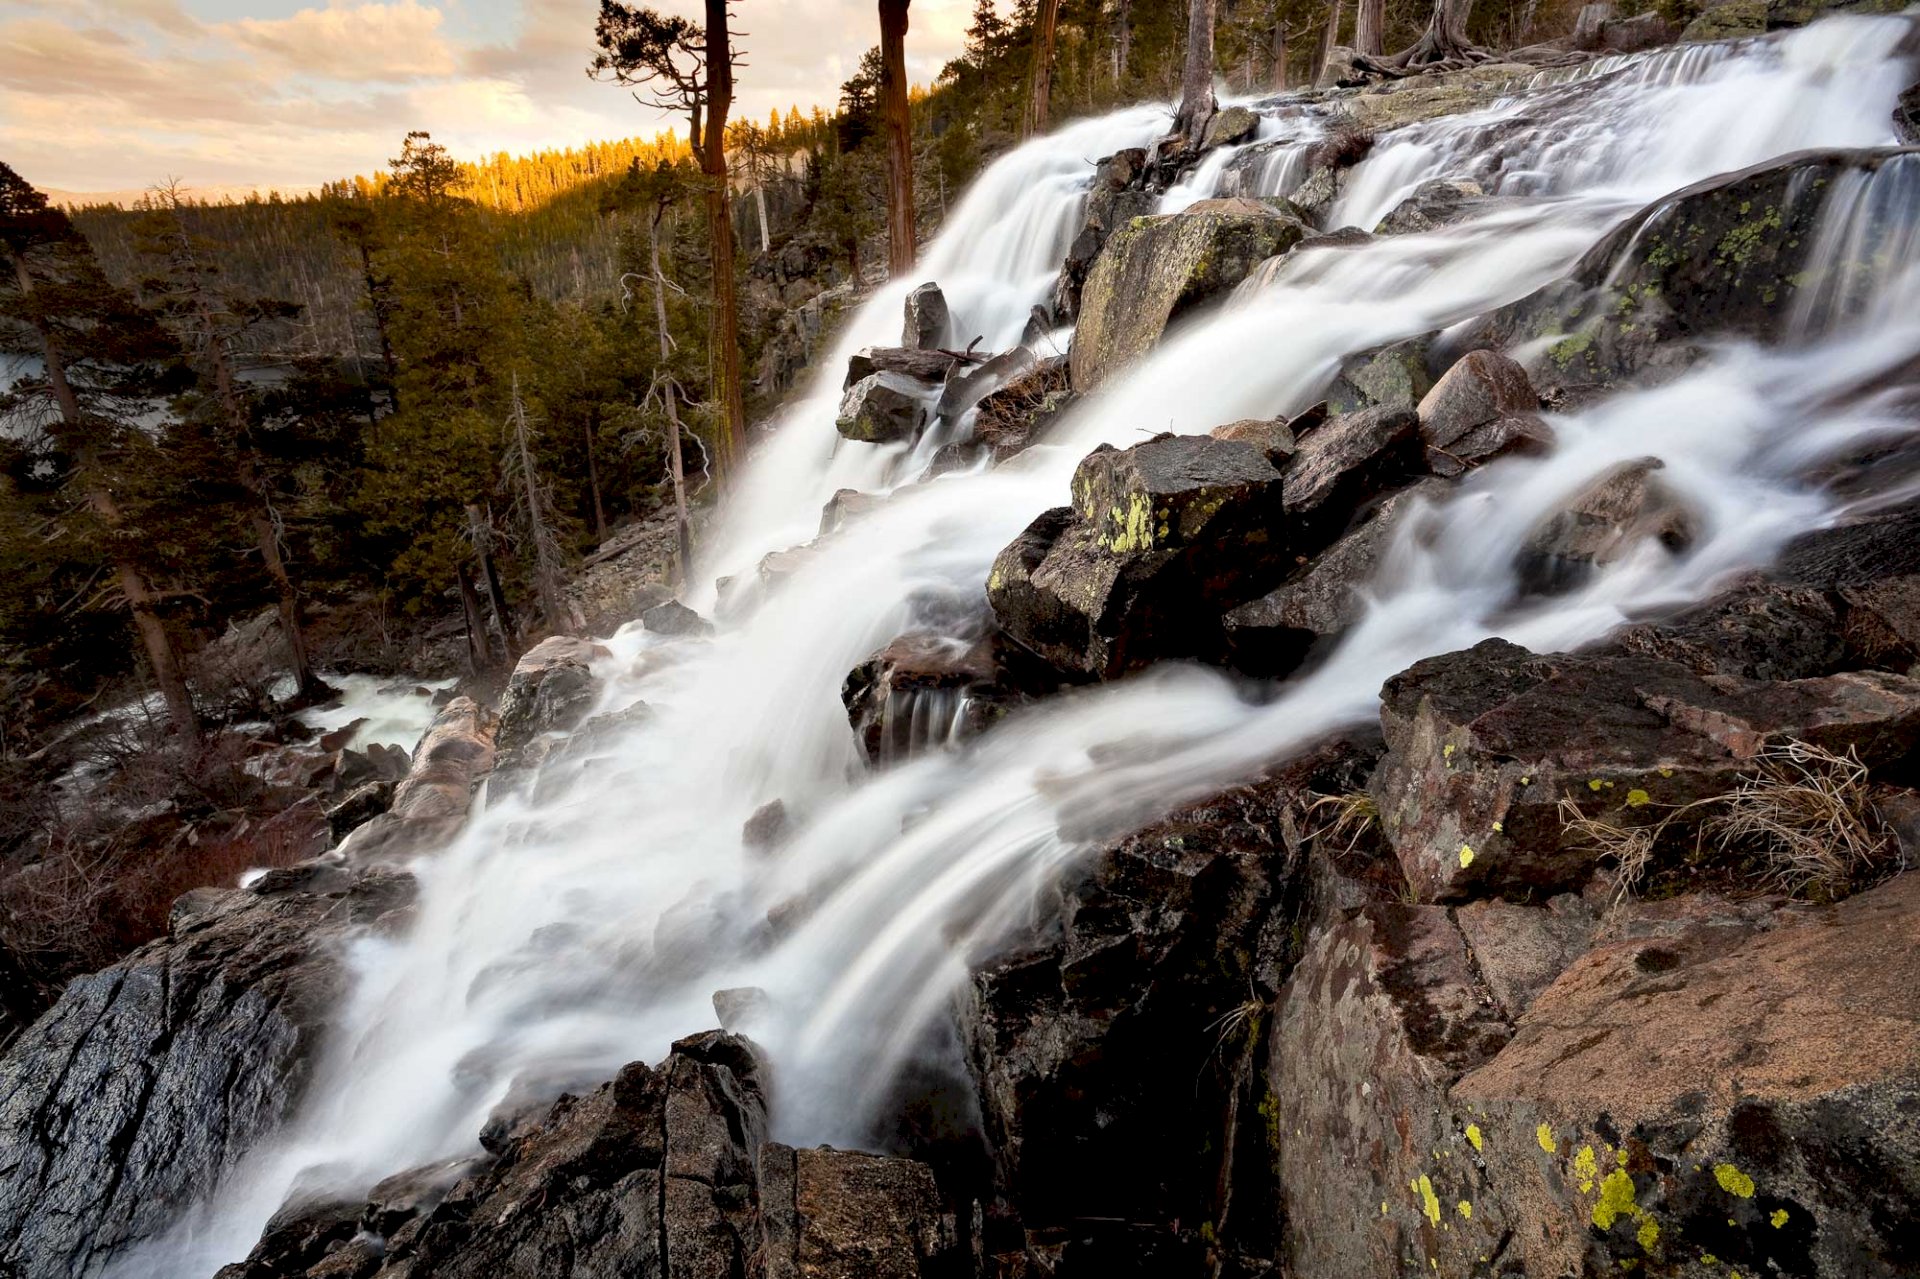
[1629, 847]
[1348, 817]
[1809, 815]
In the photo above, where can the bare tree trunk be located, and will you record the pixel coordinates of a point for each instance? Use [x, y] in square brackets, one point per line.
[683, 532]
[546, 566]
[1279, 77]
[896, 113]
[724, 326]
[1197, 103]
[766, 228]
[1040, 86]
[1329, 38]
[593, 479]
[1369, 26]
[1123, 47]
[1445, 39]
[161, 655]
[479, 648]
[482, 533]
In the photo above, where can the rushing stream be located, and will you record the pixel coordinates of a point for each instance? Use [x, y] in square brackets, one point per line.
[560, 938]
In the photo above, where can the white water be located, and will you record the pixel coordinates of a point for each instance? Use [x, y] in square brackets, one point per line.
[555, 943]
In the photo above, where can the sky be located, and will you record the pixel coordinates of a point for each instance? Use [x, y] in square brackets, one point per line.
[116, 95]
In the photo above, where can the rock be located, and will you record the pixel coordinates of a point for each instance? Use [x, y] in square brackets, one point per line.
[1906, 116]
[1339, 69]
[835, 1214]
[1636, 34]
[885, 408]
[147, 1080]
[361, 805]
[921, 366]
[1589, 23]
[1270, 636]
[1393, 376]
[1484, 744]
[927, 320]
[921, 692]
[966, 389]
[1230, 127]
[1167, 536]
[1760, 630]
[1428, 96]
[1602, 523]
[675, 618]
[430, 804]
[1883, 622]
[1108, 1051]
[766, 828]
[1482, 388]
[1271, 436]
[1435, 203]
[1730, 20]
[1154, 270]
[550, 691]
[1746, 1096]
[1521, 950]
[1382, 1015]
[1730, 256]
[1118, 196]
[845, 505]
[740, 1006]
[1339, 466]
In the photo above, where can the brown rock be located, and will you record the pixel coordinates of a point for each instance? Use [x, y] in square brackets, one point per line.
[1601, 523]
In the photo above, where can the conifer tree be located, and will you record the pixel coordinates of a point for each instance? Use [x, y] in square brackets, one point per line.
[896, 113]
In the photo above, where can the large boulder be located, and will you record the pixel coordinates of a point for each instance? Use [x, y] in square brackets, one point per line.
[1732, 255]
[1397, 375]
[1162, 538]
[550, 691]
[927, 320]
[885, 408]
[1340, 465]
[1117, 197]
[1485, 744]
[430, 803]
[1154, 270]
[1601, 523]
[143, 1085]
[1433, 204]
[1481, 407]
[921, 692]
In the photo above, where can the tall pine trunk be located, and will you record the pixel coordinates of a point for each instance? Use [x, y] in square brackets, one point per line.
[546, 552]
[1197, 103]
[1278, 79]
[683, 532]
[1040, 84]
[1369, 27]
[724, 325]
[896, 112]
[1329, 38]
[162, 658]
[1123, 42]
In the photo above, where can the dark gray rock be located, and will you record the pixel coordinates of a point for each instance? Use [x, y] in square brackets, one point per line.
[885, 408]
[1601, 523]
[1435, 203]
[927, 319]
[1339, 466]
[129, 1099]
[675, 618]
[1394, 376]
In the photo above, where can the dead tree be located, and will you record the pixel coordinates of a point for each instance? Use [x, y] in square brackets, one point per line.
[896, 112]
[1197, 103]
[1444, 43]
[521, 474]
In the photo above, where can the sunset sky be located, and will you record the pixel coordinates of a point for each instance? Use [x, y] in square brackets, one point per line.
[114, 95]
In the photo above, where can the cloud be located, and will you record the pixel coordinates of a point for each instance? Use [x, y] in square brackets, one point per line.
[352, 42]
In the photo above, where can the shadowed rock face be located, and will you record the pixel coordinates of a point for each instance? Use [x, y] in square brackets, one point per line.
[126, 1101]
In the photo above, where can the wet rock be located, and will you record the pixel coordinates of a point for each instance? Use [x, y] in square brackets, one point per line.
[1341, 465]
[1154, 270]
[845, 505]
[1113, 1052]
[1393, 376]
[1729, 20]
[1883, 622]
[147, 1080]
[1602, 523]
[1761, 630]
[1118, 196]
[1481, 389]
[1730, 256]
[1271, 635]
[430, 804]
[1435, 203]
[1744, 1096]
[927, 319]
[1906, 116]
[1230, 127]
[675, 618]
[361, 805]
[740, 1006]
[1165, 537]
[921, 692]
[766, 828]
[967, 388]
[885, 408]
[550, 691]
[1484, 744]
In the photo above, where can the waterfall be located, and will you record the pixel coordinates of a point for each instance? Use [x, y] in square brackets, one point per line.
[556, 941]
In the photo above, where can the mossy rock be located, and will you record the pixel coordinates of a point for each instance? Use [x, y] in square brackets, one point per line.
[1155, 269]
[1731, 21]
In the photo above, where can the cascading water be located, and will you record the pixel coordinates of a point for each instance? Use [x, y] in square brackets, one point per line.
[556, 941]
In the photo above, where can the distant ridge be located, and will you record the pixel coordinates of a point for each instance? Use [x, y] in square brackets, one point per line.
[199, 194]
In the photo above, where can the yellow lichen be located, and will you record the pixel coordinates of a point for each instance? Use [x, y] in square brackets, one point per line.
[1638, 799]
[1587, 1168]
[1383, 1207]
[1649, 1234]
[1466, 856]
[1473, 1137]
[1733, 1181]
[1779, 1218]
[1497, 827]
[1544, 1135]
[1616, 1200]
[1594, 784]
[1429, 1202]
[1466, 1209]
